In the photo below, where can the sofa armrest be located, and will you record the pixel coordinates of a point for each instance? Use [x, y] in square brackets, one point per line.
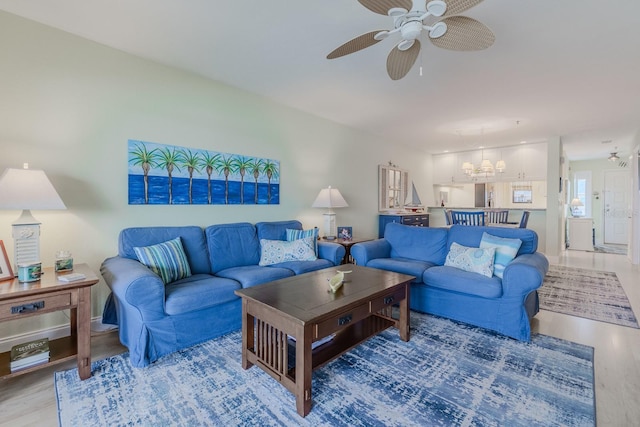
[330, 251]
[524, 274]
[364, 252]
[135, 287]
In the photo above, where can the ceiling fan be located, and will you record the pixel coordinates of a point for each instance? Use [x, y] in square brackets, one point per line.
[410, 19]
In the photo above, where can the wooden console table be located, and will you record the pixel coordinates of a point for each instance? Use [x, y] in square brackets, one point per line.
[19, 300]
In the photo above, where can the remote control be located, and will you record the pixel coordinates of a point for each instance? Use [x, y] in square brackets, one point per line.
[71, 277]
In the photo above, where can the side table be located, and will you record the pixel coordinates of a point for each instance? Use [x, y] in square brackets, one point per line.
[19, 300]
[347, 245]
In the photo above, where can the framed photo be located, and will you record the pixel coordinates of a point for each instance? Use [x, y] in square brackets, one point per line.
[345, 233]
[5, 266]
[522, 196]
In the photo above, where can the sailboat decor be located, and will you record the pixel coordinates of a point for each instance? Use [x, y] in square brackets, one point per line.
[414, 205]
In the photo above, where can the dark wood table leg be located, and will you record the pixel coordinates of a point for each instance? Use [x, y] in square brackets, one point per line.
[303, 371]
[405, 322]
[248, 335]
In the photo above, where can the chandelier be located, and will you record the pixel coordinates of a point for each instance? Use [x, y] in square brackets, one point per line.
[485, 170]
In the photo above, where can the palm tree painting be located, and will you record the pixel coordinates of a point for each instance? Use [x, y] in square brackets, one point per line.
[166, 174]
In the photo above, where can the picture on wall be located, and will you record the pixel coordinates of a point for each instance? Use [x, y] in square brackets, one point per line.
[162, 174]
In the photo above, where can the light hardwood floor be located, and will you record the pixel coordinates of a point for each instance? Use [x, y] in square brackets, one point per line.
[29, 400]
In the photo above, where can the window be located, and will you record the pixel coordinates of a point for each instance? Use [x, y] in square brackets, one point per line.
[582, 190]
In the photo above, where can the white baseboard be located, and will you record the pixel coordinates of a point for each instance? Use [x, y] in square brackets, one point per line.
[52, 333]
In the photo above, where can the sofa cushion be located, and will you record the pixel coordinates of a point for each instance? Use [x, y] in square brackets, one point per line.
[198, 292]
[506, 250]
[232, 245]
[457, 280]
[475, 260]
[419, 243]
[293, 234]
[251, 275]
[277, 251]
[299, 267]
[408, 266]
[471, 236]
[192, 237]
[276, 230]
[166, 259]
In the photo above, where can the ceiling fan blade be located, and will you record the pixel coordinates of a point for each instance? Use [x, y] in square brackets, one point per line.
[464, 33]
[399, 62]
[355, 45]
[455, 7]
[383, 6]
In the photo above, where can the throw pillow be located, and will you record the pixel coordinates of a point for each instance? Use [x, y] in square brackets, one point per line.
[293, 234]
[506, 250]
[166, 259]
[475, 260]
[277, 251]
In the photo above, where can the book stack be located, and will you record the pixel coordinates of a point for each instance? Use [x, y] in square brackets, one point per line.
[29, 354]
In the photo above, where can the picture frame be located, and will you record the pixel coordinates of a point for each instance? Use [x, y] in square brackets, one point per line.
[6, 273]
[345, 233]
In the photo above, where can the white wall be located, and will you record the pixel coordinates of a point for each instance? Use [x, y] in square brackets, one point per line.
[68, 106]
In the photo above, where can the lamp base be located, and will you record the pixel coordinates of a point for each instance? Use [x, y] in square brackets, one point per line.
[26, 244]
[330, 229]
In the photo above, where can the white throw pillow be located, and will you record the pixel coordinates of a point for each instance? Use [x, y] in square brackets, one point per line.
[475, 260]
[277, 251]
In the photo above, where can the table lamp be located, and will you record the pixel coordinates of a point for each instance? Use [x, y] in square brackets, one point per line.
[575, 202]
[330, 198]
[26, 189]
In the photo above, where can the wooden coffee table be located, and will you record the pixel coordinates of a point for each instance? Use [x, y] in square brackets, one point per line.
[281, 320]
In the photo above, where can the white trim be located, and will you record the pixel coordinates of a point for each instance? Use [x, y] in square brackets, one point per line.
[51, 333]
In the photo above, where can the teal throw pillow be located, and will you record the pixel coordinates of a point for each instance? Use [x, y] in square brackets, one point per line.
[506, 250]
[475, 260]
[293, 234]
[166, 259]
[277, 251]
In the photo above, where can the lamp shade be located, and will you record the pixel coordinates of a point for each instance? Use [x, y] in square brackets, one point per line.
[576, 202]
[28, 189]
[329, 198]
[501, 165]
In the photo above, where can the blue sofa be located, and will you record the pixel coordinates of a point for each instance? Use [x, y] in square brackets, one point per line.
[504, 305]
[157, 319]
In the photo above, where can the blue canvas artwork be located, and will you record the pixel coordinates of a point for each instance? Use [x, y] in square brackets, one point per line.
[162, 174]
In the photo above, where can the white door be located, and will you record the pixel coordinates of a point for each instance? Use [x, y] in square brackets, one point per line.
[616, 206]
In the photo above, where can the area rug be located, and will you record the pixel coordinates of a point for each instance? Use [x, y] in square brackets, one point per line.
[448, 374]
[591, 294]
[611, 249]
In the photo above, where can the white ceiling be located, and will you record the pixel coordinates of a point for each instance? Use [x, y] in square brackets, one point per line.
[565, 68]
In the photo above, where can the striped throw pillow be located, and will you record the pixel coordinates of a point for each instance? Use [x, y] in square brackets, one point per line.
[506, 251]
[301, 234]
[166, 259]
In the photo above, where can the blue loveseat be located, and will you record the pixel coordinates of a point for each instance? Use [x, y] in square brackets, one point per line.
[504, 305]
[157, 319]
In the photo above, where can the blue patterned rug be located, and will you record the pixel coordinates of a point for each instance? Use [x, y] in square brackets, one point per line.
[449, 374]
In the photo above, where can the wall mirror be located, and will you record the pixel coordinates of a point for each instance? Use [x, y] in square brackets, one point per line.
[392, 187]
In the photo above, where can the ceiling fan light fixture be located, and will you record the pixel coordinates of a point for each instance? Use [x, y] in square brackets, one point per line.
[381, 35]
[405, 44]
[395, 12]
[437, 30]
[436, 7]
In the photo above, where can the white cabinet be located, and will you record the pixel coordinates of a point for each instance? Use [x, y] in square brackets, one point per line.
[525, 162]
[580, 234]
[444, 168]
